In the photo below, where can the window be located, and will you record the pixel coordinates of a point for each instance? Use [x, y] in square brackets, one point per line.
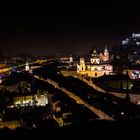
[95, 74]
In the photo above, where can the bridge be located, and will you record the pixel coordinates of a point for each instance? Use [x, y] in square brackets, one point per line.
[39, 61]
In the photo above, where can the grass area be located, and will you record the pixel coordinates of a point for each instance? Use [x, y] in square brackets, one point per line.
[116, 84]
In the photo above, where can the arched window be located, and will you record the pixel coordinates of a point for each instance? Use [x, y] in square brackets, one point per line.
[95, 74]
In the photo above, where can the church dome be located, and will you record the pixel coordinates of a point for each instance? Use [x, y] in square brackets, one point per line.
[94, 54]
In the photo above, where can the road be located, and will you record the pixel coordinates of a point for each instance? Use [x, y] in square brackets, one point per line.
[134, 98]
[98, 112]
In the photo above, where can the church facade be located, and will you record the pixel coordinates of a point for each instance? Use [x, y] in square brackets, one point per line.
[96, 66]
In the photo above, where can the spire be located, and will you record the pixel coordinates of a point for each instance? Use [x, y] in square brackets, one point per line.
[106, 50]
[106, 54]
[70, 58]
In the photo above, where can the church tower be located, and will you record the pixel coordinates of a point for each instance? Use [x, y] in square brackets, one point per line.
[82, 64]
[94, 59]
[27, 67]
[70, 59]
[106, 55]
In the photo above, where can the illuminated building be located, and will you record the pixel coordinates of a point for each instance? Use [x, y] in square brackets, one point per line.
[70, 59]
[105, 56]
[28, 100]
[27, 67]
[133, 40]
[131, 48]
[133, 72]
[96, 66]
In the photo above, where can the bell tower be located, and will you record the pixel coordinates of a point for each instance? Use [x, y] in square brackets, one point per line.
[70, 58]
[27, 67]
[82, 64]
[106, 54]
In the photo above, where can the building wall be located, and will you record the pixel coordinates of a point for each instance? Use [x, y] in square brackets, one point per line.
[95, 60]
[68, 73]
[96, 67]
[95, 73]
[95, 70]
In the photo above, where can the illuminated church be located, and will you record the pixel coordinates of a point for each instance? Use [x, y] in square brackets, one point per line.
[96, 66]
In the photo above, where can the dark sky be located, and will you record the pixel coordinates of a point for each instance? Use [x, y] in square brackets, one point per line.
[73, 28]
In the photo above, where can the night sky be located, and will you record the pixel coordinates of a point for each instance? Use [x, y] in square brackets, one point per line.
[74, 28]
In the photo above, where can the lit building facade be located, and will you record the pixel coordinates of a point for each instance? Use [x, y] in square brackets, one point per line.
[27, 67]
[96, 66]
[131, 46]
